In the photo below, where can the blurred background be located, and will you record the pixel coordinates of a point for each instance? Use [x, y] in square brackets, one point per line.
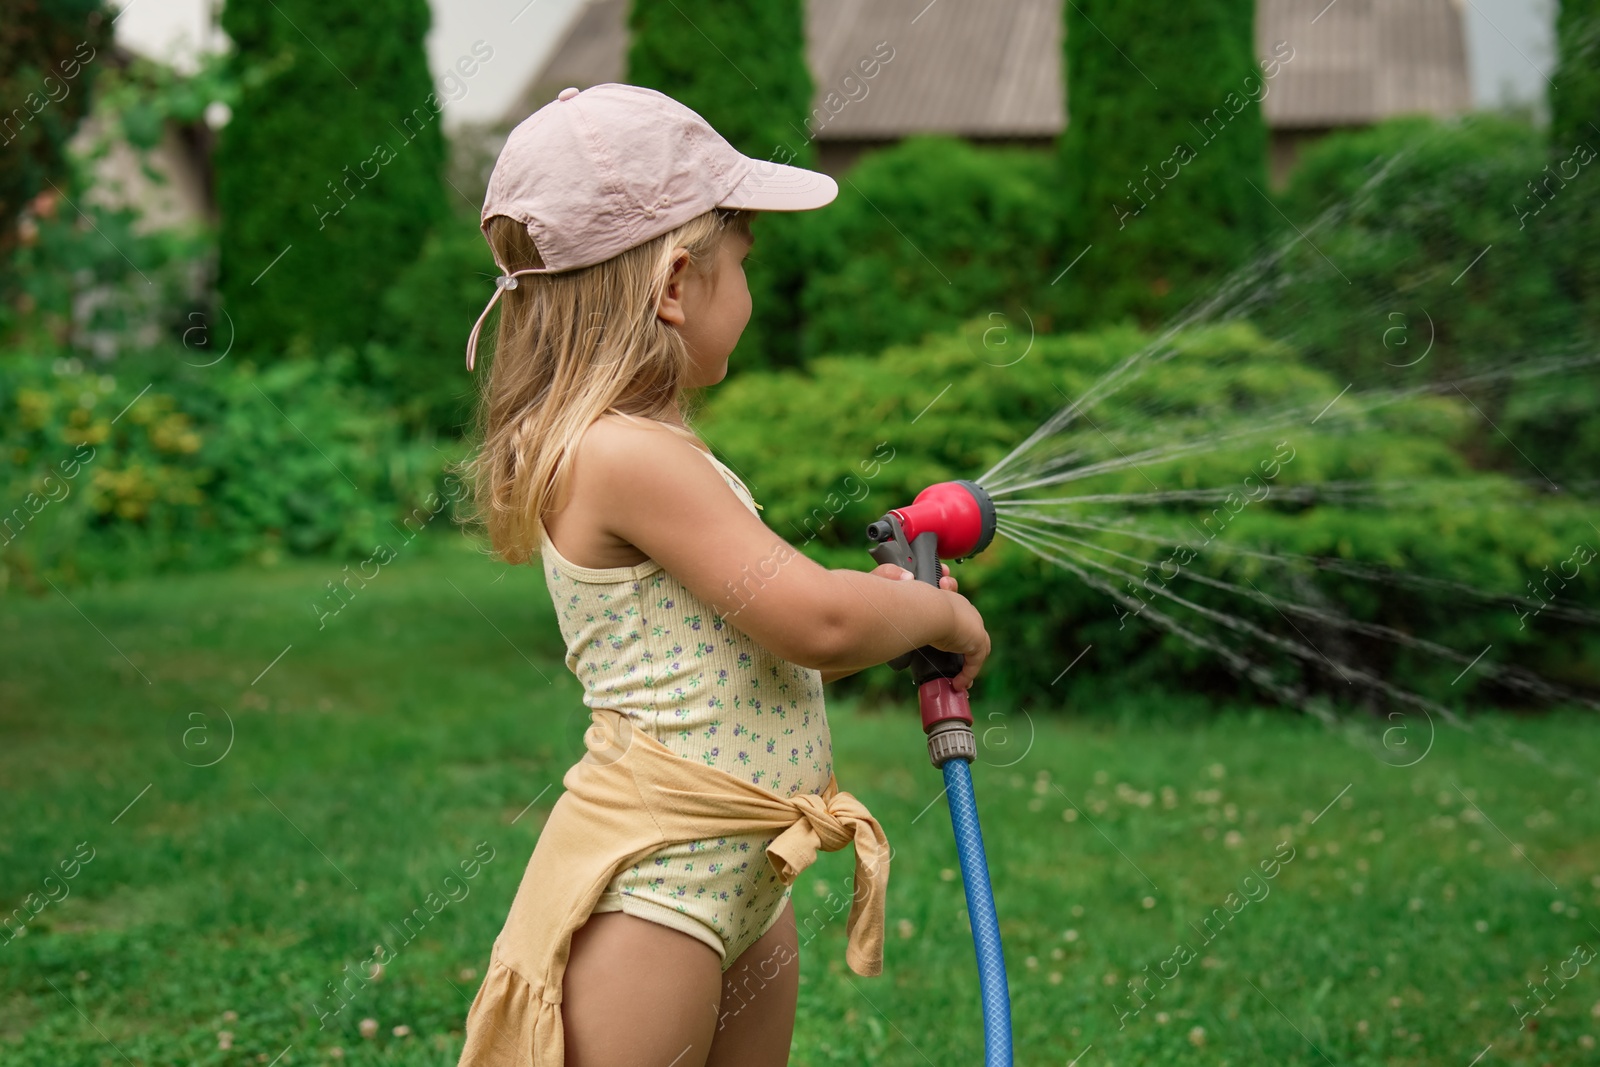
[1271, 324]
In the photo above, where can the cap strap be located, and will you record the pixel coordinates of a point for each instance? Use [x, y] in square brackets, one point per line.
[501, 284]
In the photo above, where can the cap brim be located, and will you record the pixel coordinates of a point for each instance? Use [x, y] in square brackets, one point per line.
[780, 187]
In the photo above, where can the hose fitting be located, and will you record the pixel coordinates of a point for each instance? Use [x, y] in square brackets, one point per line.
[947, 720]
[955, 520]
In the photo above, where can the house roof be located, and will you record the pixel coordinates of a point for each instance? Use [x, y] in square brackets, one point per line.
[1364, 60]
[994, 69]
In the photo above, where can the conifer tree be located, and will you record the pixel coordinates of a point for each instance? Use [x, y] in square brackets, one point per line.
[329, 174]
[1163, 156]
[742, 68]
[1572, 180]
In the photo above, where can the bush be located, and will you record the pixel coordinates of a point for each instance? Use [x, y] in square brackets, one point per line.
[1412, 203]
[875, 431]
[924, 235]
[1450, 190]
[417, 361]
[1575, 155]
[152, 465]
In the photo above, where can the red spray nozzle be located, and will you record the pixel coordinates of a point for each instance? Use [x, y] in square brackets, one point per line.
[949, 520]
[960, 515]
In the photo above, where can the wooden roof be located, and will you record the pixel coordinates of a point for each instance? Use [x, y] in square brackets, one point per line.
[1359, 61]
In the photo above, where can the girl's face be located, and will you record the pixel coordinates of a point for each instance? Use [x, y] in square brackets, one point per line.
[710, 316]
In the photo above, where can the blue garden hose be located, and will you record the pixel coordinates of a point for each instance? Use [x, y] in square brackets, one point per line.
[980, 910]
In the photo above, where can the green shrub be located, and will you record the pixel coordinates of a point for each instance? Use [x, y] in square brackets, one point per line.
[158, 464]
[102, 287]
[924, 235]
[1391, 291]
[875, 431]
[1403, 239]
[418, 357]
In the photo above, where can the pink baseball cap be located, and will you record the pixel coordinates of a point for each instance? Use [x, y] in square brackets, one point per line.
[601, 170]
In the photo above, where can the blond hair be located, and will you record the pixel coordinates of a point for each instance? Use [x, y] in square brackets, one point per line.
[570, 347]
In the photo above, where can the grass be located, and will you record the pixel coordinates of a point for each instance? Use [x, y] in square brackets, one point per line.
[264, 797]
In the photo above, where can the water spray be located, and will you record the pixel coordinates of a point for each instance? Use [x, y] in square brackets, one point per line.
[953, 520]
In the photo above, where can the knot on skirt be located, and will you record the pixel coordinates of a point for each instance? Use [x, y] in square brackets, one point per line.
[825, 823]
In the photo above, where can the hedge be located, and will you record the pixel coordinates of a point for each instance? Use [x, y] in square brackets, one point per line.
[875, 431]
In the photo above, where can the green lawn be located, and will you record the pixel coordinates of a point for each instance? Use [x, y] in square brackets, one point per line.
[376, 750]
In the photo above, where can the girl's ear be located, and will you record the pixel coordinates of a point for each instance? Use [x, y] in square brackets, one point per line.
[669, 308]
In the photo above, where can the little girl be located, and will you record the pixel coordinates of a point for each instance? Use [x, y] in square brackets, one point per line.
[652, 925]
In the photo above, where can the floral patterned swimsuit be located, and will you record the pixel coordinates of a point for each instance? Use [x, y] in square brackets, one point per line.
[642, 643]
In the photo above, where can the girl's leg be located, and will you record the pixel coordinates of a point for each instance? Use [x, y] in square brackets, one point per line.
[756, 1021]
[638, 994]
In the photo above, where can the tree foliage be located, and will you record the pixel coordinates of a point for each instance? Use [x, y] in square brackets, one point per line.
[329, 175]
[1574, 186]
[742, 68]
[1164, 141]
[51, 52]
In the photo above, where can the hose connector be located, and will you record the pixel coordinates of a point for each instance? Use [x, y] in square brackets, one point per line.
[950, 741]
[947, 720]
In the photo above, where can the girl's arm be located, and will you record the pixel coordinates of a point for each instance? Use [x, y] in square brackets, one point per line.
[673, 505]
[894, 573]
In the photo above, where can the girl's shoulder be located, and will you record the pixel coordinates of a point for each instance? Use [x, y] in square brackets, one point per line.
[620, 429]
[597, 480]
[617, 435]
[604, 478]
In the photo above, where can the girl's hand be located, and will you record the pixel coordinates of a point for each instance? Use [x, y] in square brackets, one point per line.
[895, 572]
[970, 639]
